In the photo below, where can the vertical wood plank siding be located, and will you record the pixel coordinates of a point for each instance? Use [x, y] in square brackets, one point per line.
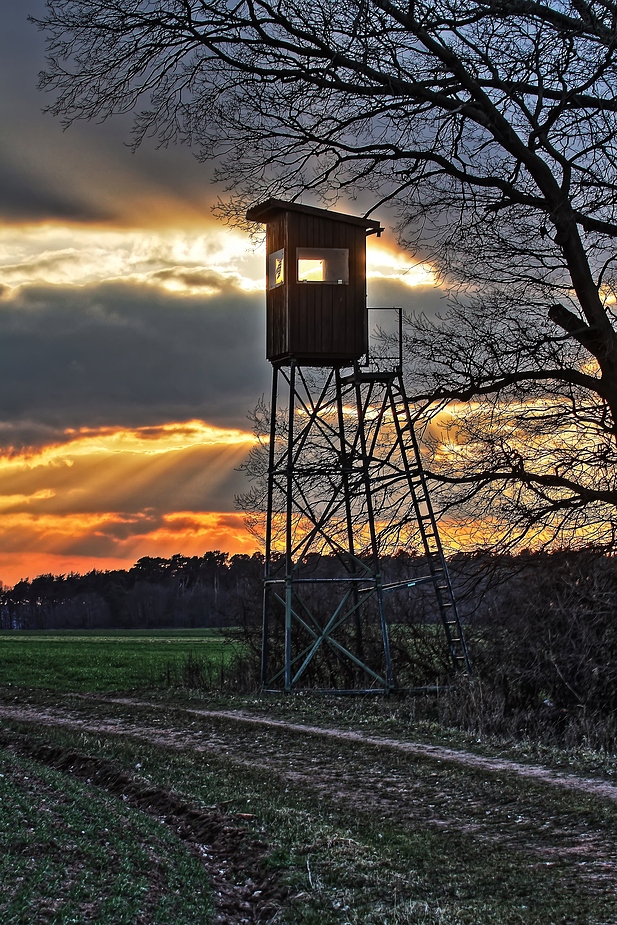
[317, 323]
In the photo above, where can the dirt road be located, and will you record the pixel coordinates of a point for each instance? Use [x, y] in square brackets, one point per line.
[508, 811]
[235, 743]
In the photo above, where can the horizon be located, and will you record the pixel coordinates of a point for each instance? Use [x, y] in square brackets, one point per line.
[133, 338]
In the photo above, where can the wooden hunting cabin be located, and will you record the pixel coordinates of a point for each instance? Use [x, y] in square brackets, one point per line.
[316, 283]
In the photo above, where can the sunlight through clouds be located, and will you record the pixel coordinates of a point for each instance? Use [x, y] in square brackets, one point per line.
[181, 261]
[110, 496]
[132, 330]
[383, 262]
[155, 468]
[146, 441]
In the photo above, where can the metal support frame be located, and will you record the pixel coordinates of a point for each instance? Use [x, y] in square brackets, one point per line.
[345, 489]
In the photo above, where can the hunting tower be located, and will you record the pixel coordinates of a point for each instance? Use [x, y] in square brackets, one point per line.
[345, 485]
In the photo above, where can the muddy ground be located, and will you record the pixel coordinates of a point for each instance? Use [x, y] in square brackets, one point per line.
[499, 803]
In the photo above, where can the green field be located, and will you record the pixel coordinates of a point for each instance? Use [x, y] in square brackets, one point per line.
[155, 808]
[72, 853]
[99, 661]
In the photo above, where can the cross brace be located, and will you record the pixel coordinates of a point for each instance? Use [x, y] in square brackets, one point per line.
[346, 490]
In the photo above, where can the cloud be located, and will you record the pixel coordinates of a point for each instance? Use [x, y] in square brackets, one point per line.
[105, 497]
[86, 173]
[384, 260]
[211, 258]
[178, 279]
[420, 299]
[27, 195]
[39, 545]
[131, 337]
[121, 354]
[188, 465]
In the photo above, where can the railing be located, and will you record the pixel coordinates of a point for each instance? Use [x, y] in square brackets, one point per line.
[374, 359]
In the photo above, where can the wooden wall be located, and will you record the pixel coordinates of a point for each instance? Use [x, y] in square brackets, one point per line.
[317, 323]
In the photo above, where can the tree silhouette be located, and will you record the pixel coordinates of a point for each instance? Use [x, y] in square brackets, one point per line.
[488, 127]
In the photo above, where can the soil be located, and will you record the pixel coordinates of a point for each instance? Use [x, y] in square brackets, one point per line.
[184, 738]
[591, 786]
[401, 781]
[244, 890]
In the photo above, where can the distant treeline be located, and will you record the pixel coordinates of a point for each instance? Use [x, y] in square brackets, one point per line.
[218, 589]
[213, 590]
[182, 592]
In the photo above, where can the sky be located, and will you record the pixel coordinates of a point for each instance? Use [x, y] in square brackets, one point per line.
[132, 337]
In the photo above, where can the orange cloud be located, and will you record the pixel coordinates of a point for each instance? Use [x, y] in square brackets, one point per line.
[107, 469]
[189, 534]
[107, 496]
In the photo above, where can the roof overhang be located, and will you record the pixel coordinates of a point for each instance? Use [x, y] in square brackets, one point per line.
[269, 209]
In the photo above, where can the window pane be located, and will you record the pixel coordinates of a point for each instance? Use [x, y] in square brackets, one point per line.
[276, 269]
[310, 271]
[323, 265]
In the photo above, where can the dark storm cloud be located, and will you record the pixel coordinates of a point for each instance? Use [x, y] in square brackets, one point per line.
[126, 355]
[86, 173]
[130, 355]
[26, 197]
[425, 300]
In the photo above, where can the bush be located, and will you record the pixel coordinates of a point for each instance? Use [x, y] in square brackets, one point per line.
[544, 648]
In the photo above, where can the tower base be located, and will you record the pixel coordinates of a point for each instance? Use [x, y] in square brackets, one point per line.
[353, 559]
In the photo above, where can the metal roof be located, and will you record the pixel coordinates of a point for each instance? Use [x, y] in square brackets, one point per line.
[270, 208]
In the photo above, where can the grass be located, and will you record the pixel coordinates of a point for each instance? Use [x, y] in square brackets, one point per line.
[368, 837]
[99, 661]
[361, 835]
[71, 854]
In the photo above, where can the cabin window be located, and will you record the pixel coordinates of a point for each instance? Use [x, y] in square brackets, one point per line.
[323, 265]
[276, 269]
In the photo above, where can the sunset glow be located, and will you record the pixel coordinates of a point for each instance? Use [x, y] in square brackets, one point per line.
[106, 497]
[132, 331]
[49, 544]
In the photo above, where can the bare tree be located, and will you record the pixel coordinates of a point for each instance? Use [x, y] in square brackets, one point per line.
[520, 437]
[489, 126]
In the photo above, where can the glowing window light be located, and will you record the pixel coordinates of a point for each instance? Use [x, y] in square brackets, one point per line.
[323, 265]
[310, 271]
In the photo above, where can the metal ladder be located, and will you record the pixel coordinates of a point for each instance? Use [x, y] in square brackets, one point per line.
[427, 524]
